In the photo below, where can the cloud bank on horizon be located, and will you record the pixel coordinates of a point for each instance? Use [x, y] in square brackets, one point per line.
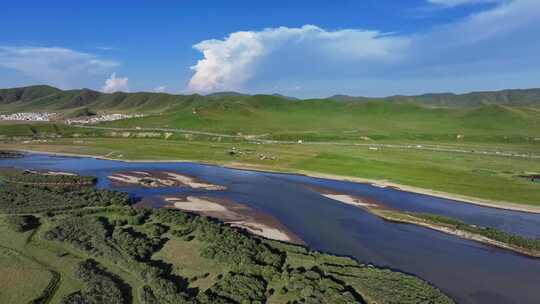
[471, 49]
[58, 66]
[115, 84]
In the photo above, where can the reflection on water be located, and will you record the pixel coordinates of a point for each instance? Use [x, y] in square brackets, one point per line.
[468, 271]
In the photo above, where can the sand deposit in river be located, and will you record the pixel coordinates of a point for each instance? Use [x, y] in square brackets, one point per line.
[237, 215]
[159, 179]
[349, 200]
[403, 217]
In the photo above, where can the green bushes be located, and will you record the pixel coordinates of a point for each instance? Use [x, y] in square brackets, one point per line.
[10, 154]
[18, 198]
[33, 177]
[313, 286]
[147, 295]
[384, 285]
[135, 244]
[156, 230]
[85, 233]
[170, 217]
[102, 287]
[236, 288]
[508, 238]
[22, 223]
[494, 234]
[228, 245]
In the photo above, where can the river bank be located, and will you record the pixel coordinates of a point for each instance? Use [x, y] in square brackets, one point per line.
[504, 205]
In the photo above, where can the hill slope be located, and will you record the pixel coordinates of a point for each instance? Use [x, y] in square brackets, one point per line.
[288, 119]
[504, 97]
[42, 97]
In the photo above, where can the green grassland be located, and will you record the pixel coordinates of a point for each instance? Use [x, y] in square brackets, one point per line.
[104, 251]
[27, 278]
[500, 117]
[325, 120]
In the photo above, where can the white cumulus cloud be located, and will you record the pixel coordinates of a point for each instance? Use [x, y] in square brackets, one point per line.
[481, 47]
[55, 65]
[160, 89]
[229, 63]
[115, 84]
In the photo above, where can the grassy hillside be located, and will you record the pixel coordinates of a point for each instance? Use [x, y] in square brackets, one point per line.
[44, 98]
[331, 120]
[506, 97]
[282, 118]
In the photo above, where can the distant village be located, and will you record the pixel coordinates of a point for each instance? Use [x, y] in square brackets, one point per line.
[43, 116]
[101, 118]
[28, 116]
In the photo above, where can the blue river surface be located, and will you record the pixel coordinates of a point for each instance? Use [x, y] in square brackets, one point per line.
[467, 271]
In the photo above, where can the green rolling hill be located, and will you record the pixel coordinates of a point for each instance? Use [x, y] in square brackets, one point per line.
[506, 97]
[512, 115]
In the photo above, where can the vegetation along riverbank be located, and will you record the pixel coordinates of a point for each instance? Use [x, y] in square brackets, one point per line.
[72, 244]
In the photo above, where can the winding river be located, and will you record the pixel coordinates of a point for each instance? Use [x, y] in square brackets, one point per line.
[469, 272]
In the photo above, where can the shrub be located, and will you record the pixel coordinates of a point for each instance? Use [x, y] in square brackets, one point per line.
[22, 223]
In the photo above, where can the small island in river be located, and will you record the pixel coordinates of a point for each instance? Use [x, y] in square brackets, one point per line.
[236, 215]
[159, 179]
[489, 236]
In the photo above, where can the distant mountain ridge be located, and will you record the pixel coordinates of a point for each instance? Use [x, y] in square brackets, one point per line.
[47, 98]
[503, 97]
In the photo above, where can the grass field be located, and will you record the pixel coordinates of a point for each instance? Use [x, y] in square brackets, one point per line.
[201, 272]
[27, 278]
[31, 265]
[323, 120]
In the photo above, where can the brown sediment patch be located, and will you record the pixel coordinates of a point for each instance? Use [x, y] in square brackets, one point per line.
[236, 215]
[57, 173]
[350, 200]
[160, 179]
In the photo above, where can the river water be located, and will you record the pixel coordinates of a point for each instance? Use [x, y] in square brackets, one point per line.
[467, 271]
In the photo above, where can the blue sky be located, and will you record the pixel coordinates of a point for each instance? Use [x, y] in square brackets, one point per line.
[300, 48]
